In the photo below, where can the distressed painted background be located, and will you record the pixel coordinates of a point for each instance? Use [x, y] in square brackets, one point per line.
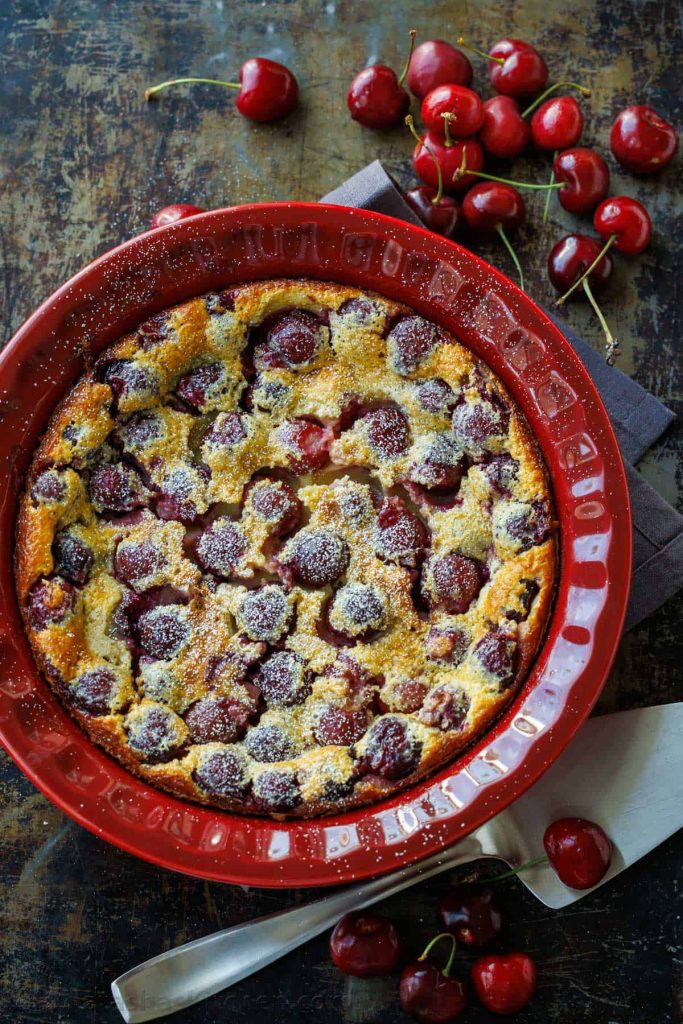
[85, 162]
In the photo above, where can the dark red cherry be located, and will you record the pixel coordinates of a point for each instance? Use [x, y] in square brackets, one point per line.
[434, 63]
[490, 205]
[442, 216]
[226, 432]
[504, 133]
[626, 221]
[277, 504]
[318, 556]
[451, 582]
[219, 720]
[445, 707]
[364, 945]
[48, 487]
[115, 487]
[93, 691]
[73, 558]
[162, 631]
[430, 996]
[284, 680]
[49, 602]
[450, 159]
[340, 726]
[410, 342]
[400, 536]
[571, 257]
[196, 387]
[523, 71]
[223, 773]
[221, 547]
[269, 743]
[135, 560]
[266, 90]
[579, 851]
[390, 749]
[276, 790]
[154, 732]
[496, 652]
[642, 141]
[376, 99]
[587, 179]
[471, 913]
[307, 444]
[265, 614]
[388, 432]
[504, 984]
[295, 337]
[557, 123]
[171, 214]
[462, 107]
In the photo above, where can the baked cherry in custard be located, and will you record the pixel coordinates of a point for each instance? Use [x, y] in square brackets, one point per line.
[298, 554]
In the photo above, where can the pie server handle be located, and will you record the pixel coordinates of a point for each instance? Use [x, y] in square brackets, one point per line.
[190, 973]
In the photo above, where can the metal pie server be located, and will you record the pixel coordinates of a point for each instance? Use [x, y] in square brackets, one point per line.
[624, 771]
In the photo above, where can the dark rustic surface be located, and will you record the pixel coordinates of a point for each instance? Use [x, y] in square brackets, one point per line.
[85, 164]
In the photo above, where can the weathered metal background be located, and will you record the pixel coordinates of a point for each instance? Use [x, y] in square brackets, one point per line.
[85, 164]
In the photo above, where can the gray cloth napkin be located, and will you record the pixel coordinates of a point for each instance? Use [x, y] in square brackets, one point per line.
[637, 416]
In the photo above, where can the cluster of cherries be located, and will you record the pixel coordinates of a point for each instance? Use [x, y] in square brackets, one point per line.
[461, 129]
[366, 945]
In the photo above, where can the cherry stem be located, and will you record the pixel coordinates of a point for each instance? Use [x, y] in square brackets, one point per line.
[506, 242]
[463, 169]
[580, 280]
[549, 193]
[480, 53]
[442, 935]
[149, 93]
[553, 88]
[404, 73]
[611, 346]
[447, 118]
[516, 871]
[439, 192]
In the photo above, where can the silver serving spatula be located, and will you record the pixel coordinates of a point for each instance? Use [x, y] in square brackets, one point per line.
[624, 771]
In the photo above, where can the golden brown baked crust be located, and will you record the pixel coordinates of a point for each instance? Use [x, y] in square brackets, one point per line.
[286, 549]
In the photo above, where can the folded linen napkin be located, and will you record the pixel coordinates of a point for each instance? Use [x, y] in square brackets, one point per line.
[637, 416]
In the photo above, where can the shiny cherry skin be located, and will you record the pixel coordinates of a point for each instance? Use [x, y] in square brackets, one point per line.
[376, 99]
[587, 177]
[268, 90]
[628, 220]
[170, 214]
[571, 257]
[436, 62]
[471, 913]
[557, 124]
[504, 983]
[504, 132]
[642, 141]
[429, 995]
[491, 204]
[364, 945]
[444, 217]
[578, 850]
[465, 108]
[523, 73]
[450, 159]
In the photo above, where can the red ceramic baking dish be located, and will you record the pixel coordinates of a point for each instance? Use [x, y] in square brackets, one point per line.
[504, 327]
